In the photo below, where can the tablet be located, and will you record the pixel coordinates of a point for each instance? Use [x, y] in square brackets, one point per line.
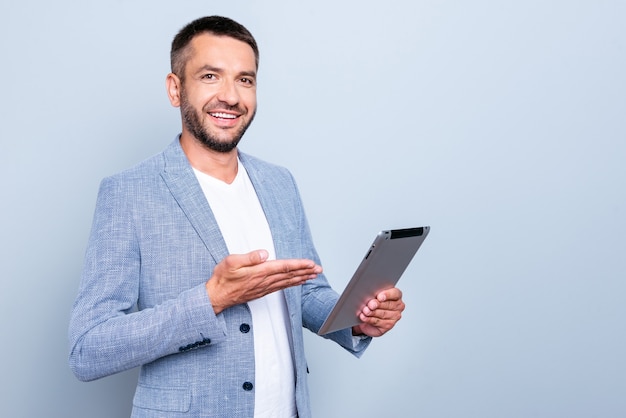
[381, 268]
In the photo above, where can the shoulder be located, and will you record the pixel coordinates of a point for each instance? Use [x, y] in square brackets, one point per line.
[171, 157]
[144, 178]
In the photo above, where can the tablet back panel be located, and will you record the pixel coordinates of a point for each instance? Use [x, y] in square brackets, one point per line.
[381, 268]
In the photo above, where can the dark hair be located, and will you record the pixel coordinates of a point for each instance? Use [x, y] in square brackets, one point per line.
[215, 25]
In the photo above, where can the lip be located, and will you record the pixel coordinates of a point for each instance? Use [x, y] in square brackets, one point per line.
[224, 118]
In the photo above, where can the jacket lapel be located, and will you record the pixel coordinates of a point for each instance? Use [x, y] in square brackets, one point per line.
[182, 183]
[270, 193]
[273, 194]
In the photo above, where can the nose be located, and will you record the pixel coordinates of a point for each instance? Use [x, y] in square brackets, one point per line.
[228, 93]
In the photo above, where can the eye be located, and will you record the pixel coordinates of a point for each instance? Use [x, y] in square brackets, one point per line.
[208, 77]
[247, 81]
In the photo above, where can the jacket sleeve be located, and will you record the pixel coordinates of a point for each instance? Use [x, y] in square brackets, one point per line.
[107, 333]
[318, 297]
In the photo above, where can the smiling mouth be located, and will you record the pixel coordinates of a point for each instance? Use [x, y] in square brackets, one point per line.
[221, 115]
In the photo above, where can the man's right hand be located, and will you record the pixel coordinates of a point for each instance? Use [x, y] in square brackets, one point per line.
[240, 278]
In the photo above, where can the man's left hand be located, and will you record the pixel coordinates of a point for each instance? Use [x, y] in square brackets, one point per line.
[379, 315]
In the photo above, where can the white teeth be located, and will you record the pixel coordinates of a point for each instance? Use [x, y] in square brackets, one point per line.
[223, 115]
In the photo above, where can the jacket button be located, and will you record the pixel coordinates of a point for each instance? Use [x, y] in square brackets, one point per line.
[248, 386]
[245, 328]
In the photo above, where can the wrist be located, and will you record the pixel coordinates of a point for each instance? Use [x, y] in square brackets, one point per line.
[213, 298]
[356, 331]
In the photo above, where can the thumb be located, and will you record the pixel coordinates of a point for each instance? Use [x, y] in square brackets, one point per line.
[237, 261]
[258, 256]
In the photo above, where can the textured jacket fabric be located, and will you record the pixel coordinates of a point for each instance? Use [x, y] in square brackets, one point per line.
[142, 298]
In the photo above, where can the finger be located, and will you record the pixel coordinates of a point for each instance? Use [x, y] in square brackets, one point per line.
[380, 322]
[372, 305]
[390, 309]
[291, 268]
[277, 282]
[293, 277]
[386, 299]
[278, 274]
[391, 305]
[385, 310]
[389, 294]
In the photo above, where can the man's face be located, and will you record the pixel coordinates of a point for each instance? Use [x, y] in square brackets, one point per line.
[218, 95]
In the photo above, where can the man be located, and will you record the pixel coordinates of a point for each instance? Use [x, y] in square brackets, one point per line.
[200, 266]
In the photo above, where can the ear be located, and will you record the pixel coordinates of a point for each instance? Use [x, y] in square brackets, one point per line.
[173, 86]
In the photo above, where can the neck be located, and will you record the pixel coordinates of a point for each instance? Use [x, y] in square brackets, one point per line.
[220, 165]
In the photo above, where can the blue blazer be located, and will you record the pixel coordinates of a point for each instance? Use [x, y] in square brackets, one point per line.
[142, 298]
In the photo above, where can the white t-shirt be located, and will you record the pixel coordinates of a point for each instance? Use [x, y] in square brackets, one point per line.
[244, 227]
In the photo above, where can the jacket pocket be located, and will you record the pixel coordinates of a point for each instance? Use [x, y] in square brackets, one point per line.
[162, 399]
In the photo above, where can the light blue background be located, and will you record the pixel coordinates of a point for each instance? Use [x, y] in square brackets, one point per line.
[501, 124]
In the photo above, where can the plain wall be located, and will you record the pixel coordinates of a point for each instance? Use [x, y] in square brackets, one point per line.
[501, 124]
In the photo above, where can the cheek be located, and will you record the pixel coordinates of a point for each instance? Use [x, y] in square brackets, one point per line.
[201, 97]
[248, 97]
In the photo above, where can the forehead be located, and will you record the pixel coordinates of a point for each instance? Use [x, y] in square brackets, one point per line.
[220, 51]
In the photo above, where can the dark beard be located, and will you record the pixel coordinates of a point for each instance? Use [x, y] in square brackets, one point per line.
[194, 125]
